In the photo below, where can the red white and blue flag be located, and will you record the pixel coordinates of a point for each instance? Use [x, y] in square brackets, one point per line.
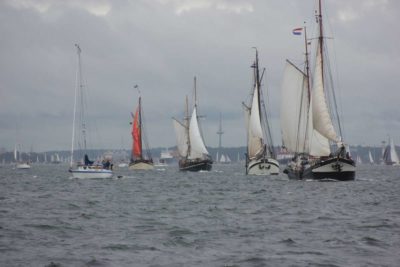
[297, 31]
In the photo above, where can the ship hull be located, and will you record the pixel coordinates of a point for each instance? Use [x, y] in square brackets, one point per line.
[141, 165]
[332, 169]
[23, 166]
[195, 165]
[263, 167]
[91, 172]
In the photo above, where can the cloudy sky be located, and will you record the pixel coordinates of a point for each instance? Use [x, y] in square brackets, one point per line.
[162, 44]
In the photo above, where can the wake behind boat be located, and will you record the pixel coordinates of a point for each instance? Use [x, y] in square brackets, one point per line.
[260, 156]
[191, 148]
[87, 168]
[307, 126]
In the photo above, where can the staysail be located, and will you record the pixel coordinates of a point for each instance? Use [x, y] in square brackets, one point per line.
[197, 147]
[393, 154]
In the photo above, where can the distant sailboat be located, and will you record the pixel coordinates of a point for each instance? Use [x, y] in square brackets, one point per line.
[18, 160]
[371, 159]
[390, 156]
[139, 160]
[307, 126]
[359, 160]
[87, 168]
[191, 148]
[260, 156]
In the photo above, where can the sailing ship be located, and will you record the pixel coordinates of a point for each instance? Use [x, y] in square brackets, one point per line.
[307, 126]
[191, 148]
[18, 159]
[87, 168]
[390, 156]
[139, 160]
[260, 156]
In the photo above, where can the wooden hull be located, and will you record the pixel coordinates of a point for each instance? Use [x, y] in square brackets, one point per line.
[267, 166]
[332, 168]
[91, 172]
[141, 165]
[195, 165]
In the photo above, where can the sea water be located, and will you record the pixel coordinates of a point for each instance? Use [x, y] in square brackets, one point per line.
[218, 218]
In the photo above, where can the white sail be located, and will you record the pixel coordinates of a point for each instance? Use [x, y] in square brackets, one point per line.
[321, 117]
[15, 153]
[294, 109]
[393, 154]
[255, 135]
[371, 159]
[181, 138]
[197, 147]
[223, 159]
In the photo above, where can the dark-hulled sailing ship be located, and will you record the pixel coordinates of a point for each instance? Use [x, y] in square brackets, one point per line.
[308, 129]
[192, 150]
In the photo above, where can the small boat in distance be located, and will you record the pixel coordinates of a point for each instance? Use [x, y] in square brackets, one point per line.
[20, 165]
[191, 148]
[371, 159]
[306, 119]
[260, 156]
[390, 156]
[139, 160]
[87, 168]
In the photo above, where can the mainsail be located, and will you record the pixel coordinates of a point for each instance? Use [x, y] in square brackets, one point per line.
[181, 138]
[255, 135]
[136, 134]
[197, 147]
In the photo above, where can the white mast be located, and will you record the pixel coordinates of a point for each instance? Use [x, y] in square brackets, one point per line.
[78, 80]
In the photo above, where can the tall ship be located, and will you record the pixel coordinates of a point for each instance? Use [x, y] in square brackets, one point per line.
[390, 156]
[260, 155]
[140, 159]
[193, 154]
[85, 168]
[310, 122]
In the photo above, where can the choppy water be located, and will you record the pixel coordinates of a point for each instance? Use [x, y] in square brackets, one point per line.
[218, 218]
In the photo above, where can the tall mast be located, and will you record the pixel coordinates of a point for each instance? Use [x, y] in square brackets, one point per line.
[140, 127]
[307, 63]
[220, 133]
[195, 92]
[187, 125]
[321, 38]
[78, 82]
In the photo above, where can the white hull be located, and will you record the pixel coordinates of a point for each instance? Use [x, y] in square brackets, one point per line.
[141, 166]
[263, 167]
[123, 165]
[90, 173]
[23, 166]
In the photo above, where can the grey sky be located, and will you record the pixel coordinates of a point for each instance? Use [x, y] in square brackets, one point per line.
[161, 44]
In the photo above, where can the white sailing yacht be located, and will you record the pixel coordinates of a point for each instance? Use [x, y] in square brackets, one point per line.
[260, 156]
[390, 156]
[307, 126]
[18, 160]
[193, 153]
[87, 168]
[371, 159]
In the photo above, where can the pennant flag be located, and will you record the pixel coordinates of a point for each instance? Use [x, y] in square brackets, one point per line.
[297, 31]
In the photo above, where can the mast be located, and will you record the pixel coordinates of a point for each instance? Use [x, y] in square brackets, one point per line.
[78, 83]
[187, 126]
[320, 38]
[140, 127]
[220, 133]
[257, 80]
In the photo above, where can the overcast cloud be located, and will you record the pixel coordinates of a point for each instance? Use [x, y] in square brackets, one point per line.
[161, 44]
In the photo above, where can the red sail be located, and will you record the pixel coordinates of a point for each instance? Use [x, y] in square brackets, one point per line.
[136, 134]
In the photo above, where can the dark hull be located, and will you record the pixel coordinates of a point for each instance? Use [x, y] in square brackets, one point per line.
[195, 165]
[332, 168]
